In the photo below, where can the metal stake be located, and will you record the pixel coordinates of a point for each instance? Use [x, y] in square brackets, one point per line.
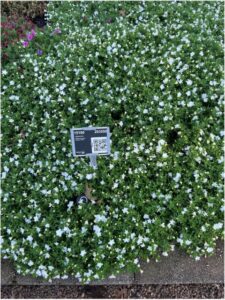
[93, 161]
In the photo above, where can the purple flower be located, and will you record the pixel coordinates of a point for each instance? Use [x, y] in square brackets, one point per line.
[39, 52]
[25, 43]
[31, 35]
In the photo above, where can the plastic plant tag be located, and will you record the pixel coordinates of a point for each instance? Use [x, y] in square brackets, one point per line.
[90, 141]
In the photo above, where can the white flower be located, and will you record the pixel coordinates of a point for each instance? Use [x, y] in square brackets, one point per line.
[70, 204]
[203, 228]
[99, 265]
[3, 175]
[62, 87]
[99, 218]
[189, 82]
[187, 242]
[170, 60]
[83, 253]
[45, 192]
[30, 263]
[153, 195]
[159, 146]
[97, 230]
[204, 98]
[165, 155]
[89, 176]
[218, 226]
[83, 229]
[188, 93]
[190, 104]
[116, 155]
[59, 232]
[14, 97]
[109, 49]
[171, 222]
[166, 118]
[125, 210]
[209, 249]
[85, 102]
[47, 247]
[111, 242]
[36, 218]
[44, 274]
[30, 238]
[177, 177]
[136, 148]
[111, 74]
[179, 240]
[115, 185]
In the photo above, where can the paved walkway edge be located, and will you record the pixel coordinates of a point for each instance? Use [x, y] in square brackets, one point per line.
[177, 268]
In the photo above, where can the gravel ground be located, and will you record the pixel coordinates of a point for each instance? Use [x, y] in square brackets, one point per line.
[194, 291]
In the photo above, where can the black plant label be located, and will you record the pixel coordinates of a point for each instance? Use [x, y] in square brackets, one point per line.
[90, 140]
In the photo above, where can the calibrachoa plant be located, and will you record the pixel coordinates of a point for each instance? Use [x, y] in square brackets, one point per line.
[153, 73]
[13, 29]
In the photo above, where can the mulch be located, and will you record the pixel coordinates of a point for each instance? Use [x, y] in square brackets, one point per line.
[183, 291]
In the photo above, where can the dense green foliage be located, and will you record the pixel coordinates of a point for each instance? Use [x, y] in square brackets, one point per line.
[153, 73]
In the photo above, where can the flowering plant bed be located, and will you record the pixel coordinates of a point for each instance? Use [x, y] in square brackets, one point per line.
[13, 29]
[151, 72]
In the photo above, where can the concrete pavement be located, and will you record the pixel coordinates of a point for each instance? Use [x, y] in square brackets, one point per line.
[177, 268]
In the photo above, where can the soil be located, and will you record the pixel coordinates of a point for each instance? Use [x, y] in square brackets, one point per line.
[193, 291]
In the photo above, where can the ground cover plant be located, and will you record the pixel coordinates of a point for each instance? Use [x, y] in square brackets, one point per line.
[153, 73]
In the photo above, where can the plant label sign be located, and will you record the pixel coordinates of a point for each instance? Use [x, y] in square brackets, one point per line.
[90, 141]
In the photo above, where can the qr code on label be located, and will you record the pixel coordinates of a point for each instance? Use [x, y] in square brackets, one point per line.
[99, 145]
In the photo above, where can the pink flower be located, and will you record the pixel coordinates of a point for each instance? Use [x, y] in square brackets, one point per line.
[31, 35]
[33, 32]
[25, 43]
